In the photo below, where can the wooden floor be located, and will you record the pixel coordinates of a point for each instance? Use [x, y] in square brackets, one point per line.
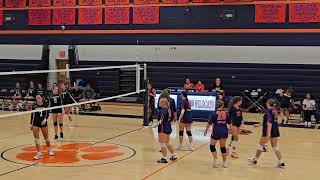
[117, 148]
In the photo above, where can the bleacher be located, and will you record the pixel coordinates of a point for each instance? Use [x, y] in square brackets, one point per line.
[8, 82]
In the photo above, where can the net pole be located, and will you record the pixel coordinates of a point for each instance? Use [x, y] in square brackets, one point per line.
[144, 71]
[137, 78]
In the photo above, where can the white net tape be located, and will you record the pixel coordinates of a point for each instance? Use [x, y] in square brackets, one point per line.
[138, 90]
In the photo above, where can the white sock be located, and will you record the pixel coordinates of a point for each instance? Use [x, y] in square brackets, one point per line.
[306, 124]
[309, 124]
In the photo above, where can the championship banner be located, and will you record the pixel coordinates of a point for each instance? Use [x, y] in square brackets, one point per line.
[39, 3]
[64, 3]
[16, 3]
[90, 16]
[1, 17]
[175, 1]
[146, 2]
[237, 1]
[117, 15]
[39, 16]
[146, 15]
[65, 16]
[304, 12]
[90, 2]
[1, 3]
[205, 1]
[117, 2]
[270, 13]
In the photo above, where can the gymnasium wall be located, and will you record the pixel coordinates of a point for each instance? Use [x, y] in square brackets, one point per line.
[20, 52]
[205, 54]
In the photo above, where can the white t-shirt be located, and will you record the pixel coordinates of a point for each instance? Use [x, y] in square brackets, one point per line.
[308, 104]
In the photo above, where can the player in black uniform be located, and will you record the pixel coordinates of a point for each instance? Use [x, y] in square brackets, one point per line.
[66, 99]
[218, 120]
[164, 131]
[39, 122]
[285, 103]
[56, 100]
[270, 132]
[236, 121]
[150, 95]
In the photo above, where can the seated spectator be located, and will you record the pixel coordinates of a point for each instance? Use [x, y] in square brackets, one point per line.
[17, 92]
[76, 93]
[199, 87]
[309, 106]
[188, 84]
[31, 91]
[41, 91]
[88, 93]
[218, 89]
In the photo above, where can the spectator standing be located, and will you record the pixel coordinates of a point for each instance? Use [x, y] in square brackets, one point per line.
[309, 107]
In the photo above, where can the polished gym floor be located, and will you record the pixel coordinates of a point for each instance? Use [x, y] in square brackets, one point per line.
[101, 147]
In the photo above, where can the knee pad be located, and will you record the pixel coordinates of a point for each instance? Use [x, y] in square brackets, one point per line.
[37, 141]
[60, 124]
[213, 148]
[163, 145]
[180, 133]
[189, 133]
[276, 148]
[223, 150]
[55, 123]
[260, 147]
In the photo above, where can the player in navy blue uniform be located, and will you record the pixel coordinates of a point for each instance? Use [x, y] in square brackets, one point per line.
[39, 122]
[236, 121]
[66, 99]
[270, 132]
[172, 104]
[218, 120]
[185, 120]
[164, 131]
[57, 118]
[150, 95]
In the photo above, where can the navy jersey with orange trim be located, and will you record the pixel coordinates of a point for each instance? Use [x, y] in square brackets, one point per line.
[164, 117]
[187, 116]
[235, 116]
[270, 117]
[219, 121]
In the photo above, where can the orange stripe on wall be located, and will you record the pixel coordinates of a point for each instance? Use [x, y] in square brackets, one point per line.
[161, 31]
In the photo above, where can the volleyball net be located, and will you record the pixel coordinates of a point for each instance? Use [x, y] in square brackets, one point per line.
[87, 86]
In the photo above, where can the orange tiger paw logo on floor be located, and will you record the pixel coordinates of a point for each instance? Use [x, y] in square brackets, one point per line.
[71, 153]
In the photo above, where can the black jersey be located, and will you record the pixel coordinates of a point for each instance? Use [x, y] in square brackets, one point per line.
[42, 92]
[66, 96]
[16, 92]
[38, 117]
[31, 92]
[55, 100]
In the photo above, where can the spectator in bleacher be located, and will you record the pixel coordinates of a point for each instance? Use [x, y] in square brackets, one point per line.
[309, 107]
[41, 91]
[16, 96]
[188, 84]
[76, 93]
[31, 91]
[88, 93]
[218, 88]
[199, 87]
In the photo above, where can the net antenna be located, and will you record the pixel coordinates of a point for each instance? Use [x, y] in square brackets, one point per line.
[138, 90]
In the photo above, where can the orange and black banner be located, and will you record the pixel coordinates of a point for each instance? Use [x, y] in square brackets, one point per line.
[64, 3]
[117, 2]
[206, 1]
[64, 16]
[39, 3]
[270, 13]
[16, 3]
[175, 1]
[117, 15]
[146, 2]
[90, 16]
[90, 2]
[39, 16]
[146, 15]
[1, 17]
[304, 12]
